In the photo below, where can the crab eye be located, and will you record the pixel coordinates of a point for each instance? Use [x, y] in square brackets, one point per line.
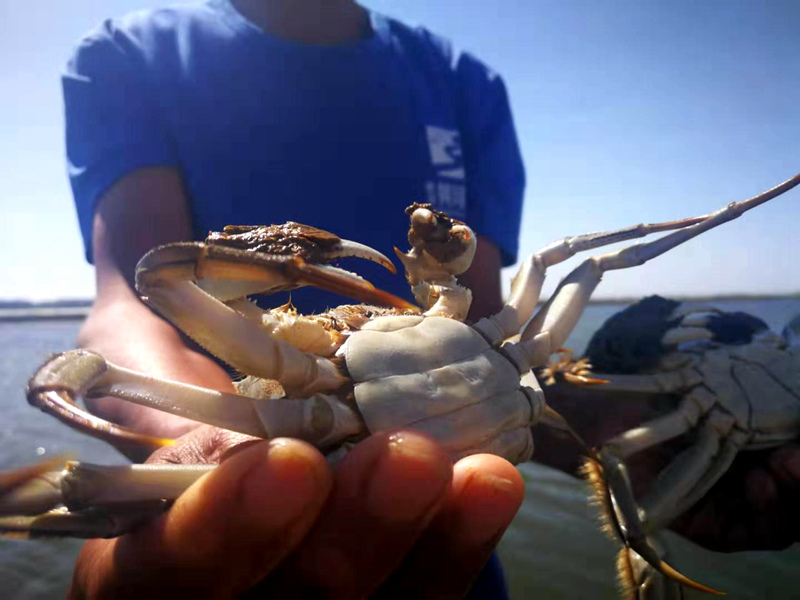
[464, 232]
[423, 217]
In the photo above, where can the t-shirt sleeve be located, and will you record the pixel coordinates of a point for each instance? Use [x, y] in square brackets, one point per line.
[112, 122]
[495, 174]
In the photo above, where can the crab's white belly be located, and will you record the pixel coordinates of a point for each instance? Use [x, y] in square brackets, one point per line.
[440, 377]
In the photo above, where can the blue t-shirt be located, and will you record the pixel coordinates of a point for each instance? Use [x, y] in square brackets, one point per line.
[266, 130]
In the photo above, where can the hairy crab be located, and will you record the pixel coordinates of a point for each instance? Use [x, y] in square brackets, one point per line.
[731, 384]
[342, 375]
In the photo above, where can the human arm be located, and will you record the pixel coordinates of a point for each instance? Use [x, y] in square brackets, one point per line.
[129, 196]
[142, 210]
[483, 279]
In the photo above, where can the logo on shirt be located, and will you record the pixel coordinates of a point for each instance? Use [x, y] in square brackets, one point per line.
[447, 191]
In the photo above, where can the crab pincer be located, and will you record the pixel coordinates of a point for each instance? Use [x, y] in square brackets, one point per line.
[244, 260]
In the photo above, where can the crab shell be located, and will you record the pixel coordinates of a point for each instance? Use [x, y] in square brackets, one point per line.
[441, 377]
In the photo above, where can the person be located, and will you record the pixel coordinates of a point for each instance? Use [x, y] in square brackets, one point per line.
[184, 120]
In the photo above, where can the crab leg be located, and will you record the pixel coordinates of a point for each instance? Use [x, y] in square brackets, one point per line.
[615, 493]
[659, 430]
[641, 581]
[57, 385]
[247, 348]
[166, 279]
[732, 445]
[98, 523]
[86, 500]
[693, 471]
[526, 287]
[656, 383]
[320, 419]
[561, 313]
[677, 488]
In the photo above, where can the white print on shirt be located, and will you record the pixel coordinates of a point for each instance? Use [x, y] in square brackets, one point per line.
[448, 192]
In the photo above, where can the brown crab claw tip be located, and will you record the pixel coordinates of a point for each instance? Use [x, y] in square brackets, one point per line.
[59, 404]
[348, 248]
[676, 575]
[346, 284]
[372, 295]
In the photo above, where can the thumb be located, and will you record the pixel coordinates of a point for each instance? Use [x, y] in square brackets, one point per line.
[224, 534]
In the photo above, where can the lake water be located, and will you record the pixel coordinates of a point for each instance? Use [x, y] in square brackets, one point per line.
[553, 549]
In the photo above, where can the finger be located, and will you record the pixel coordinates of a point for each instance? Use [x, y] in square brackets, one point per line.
[204, 445]
[486, 494]
[386, 492]
[224, 534]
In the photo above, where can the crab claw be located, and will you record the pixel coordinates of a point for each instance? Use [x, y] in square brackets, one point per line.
[295, 239]
[607, 473]
[240, 261]
[441, 247]
[56, 386]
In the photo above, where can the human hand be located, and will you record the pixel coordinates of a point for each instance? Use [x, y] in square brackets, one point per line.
[751, 507]
[395, 518]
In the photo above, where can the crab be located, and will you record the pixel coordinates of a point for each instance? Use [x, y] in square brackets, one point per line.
[733, 386]
[341, 376]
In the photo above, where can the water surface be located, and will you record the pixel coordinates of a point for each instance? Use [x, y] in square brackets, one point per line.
[553, 549]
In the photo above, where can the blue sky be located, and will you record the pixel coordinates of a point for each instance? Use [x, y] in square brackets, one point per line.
[627, 111]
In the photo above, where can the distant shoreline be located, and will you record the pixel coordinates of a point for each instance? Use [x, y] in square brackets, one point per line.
[44, 314]
[711, 298]
[23, 310]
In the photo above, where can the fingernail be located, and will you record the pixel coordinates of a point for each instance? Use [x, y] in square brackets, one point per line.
[410, 479]
[490, 503]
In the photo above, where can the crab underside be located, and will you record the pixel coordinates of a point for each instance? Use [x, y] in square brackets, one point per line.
[735, 385]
